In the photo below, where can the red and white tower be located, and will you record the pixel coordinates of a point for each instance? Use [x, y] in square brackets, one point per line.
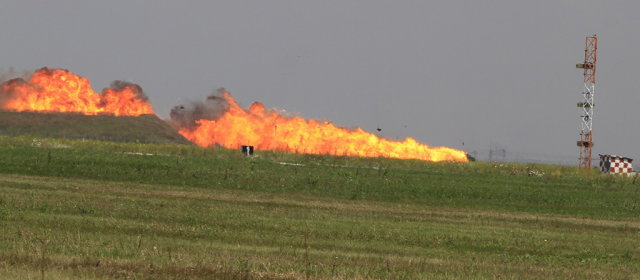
[586, 136]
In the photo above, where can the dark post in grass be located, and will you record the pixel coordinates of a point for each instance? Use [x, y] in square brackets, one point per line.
[247, 150]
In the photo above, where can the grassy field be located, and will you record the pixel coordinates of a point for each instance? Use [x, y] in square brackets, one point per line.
[74, 209]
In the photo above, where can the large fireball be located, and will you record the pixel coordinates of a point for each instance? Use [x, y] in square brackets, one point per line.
[58, 90]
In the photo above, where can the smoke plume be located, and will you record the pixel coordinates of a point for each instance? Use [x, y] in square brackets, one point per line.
[119, 86]
[10, 76]
[186, 115]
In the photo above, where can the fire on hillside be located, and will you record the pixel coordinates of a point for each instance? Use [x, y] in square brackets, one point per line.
[58, 90]
[221, 121]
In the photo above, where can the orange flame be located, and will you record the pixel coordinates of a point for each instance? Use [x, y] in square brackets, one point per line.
[268, 130]
[58, 90]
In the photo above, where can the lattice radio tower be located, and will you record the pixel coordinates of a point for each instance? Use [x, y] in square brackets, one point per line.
[586, 137]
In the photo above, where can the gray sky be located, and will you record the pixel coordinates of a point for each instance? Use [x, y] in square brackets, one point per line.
[443, 72]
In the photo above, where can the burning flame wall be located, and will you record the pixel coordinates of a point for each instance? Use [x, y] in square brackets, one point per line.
[58, 90]
[219, 120]
[231, 126]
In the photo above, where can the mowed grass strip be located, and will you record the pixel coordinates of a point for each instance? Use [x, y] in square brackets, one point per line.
[537, 189]
[79, 228]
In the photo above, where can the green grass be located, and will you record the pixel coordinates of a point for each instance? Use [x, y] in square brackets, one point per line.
[86, 209]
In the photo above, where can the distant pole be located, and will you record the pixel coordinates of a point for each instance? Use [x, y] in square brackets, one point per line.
[586, 136]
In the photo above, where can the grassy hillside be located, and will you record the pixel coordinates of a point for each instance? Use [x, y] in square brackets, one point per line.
[89, 209]
[143, 129]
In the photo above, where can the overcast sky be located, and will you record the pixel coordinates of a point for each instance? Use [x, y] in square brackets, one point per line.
[484, 73]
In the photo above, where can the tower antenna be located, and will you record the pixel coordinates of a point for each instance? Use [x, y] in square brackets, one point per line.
[586, 124]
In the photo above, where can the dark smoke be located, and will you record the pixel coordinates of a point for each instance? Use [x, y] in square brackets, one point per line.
[6, 93]
[185, 116]
[9, 77]
[121, 85]
[12, 73]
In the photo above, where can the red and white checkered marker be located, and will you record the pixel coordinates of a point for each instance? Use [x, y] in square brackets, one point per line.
[615, 164]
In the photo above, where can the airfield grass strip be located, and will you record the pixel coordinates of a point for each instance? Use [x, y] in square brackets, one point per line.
[99, 210]
[68, 228]
[540, 189]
